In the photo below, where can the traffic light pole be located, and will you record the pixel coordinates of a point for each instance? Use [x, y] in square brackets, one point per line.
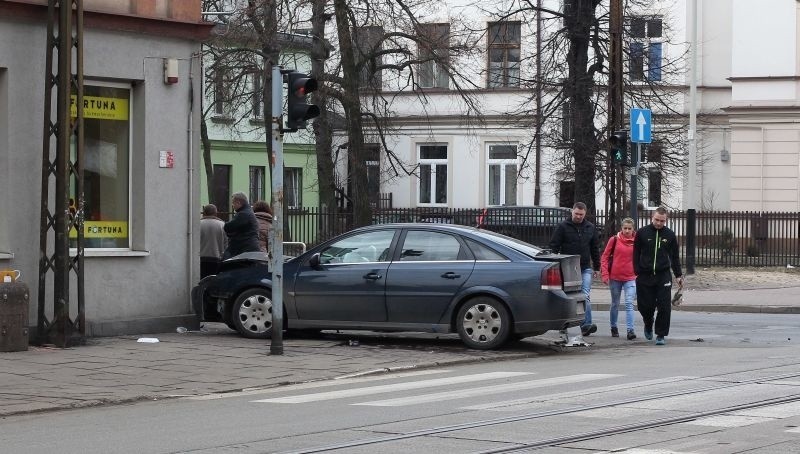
[635, 183]
[276, 237]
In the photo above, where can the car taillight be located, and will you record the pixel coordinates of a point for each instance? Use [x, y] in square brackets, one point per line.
[551, 278]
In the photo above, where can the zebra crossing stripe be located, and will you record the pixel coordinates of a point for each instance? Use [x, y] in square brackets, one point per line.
[486, 390]
[381, 389]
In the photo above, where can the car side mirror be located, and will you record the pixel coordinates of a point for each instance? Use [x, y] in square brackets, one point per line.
[313, 262]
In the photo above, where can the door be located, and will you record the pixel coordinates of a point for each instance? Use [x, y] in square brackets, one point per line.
[350, 282]
[431, 268]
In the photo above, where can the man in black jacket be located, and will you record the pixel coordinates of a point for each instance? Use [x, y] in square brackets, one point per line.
[579, 236]
[655, 252]
[242, 230]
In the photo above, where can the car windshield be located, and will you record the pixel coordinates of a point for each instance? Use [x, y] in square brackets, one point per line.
[521, 246]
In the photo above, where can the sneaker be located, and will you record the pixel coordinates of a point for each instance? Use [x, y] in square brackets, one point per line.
[589, 329]
[660, 340]
[648, 334]
[614, 331]
[631, 335]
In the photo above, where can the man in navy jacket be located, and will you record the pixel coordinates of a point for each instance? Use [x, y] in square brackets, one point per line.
[579, 236]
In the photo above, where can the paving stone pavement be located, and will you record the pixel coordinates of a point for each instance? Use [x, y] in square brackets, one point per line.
[120, 369]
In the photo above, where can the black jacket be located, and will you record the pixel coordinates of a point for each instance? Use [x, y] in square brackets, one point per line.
[655, 251]
[242, 232]
[579, 239]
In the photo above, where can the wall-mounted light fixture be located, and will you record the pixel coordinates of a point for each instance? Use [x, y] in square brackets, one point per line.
[170, 71]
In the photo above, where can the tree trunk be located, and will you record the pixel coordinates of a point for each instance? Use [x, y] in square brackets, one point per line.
[322, 129]
[209, 167]
[579, 18]
[362, 212]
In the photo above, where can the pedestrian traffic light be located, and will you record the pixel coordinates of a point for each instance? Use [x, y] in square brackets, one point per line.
[619, 147]
[298, 109]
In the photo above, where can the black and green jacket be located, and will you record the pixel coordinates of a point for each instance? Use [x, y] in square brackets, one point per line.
[655, 252]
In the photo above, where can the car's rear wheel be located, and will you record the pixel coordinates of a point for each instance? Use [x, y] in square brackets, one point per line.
[483, 323]
[251, 314]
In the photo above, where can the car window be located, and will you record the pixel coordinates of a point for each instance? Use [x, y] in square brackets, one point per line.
[421, 245]
[482, 252]
[361, 248]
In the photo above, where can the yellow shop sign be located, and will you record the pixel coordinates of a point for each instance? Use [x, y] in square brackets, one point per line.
[102, 229]
[101, 108]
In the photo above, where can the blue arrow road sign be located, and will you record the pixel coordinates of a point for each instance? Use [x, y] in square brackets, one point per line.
[641, 125]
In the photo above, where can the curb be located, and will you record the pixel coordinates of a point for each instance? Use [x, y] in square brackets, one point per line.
[718, 308]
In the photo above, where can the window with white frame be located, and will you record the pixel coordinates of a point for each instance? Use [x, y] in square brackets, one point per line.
[222, 94]
[646, 48]
[432, 174]
[293, 187]
[502, 174]
[504, 54]
[257, 94]
[433, 46]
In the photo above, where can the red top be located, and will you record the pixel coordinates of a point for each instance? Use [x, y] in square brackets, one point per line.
[622, 264]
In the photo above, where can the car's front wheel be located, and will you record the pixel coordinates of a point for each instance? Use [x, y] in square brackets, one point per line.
[483, 323]
[251, 314]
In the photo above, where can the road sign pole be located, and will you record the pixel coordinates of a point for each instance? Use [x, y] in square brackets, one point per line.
[635, 185]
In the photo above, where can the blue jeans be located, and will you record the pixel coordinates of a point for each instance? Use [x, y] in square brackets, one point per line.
[616, 288]
[586, 286]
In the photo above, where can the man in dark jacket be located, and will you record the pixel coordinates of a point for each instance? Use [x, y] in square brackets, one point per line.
[655, 252]
[242, 230]
[579, 236]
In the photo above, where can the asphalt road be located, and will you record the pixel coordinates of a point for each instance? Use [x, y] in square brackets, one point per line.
[737, 390]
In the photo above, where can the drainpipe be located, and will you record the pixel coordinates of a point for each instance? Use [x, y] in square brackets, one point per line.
[190, 208]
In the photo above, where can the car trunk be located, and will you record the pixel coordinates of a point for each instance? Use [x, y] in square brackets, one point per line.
[570, 270]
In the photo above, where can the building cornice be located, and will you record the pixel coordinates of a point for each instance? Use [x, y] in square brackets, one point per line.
[35, 12]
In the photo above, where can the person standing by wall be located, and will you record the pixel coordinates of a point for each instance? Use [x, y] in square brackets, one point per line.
[579, 236]
[264, 216]
[616, 268]
[212, 241]
[242, 230]
[655, 252]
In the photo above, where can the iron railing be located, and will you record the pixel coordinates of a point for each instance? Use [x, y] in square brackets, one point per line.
[723, 238]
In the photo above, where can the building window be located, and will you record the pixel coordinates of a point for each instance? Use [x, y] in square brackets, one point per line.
[504, 54]
[653, 187]
[368, 57]
[293, 187]
[432, 174]
[646, 45]
[566, 122]
[502, 174]
[106, 166]
[222, 93]
[257, 179]
[373, 164]
[221, 188]
[433, 50]
[257, 95]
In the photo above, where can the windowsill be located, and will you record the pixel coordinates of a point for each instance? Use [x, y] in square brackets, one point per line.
[222, 119]
[6, 255]
[87, 252]
[297, 210]
[255, 121]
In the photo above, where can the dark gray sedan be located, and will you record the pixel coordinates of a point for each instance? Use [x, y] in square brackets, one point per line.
[422, 277]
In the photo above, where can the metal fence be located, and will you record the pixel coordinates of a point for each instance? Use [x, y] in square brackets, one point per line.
[723, 238]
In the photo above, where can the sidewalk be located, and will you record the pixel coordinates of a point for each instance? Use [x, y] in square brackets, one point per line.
[120, 369]
[783, 300]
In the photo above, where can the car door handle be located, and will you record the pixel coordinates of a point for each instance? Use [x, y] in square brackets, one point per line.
[451, 275]
[372, 276]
